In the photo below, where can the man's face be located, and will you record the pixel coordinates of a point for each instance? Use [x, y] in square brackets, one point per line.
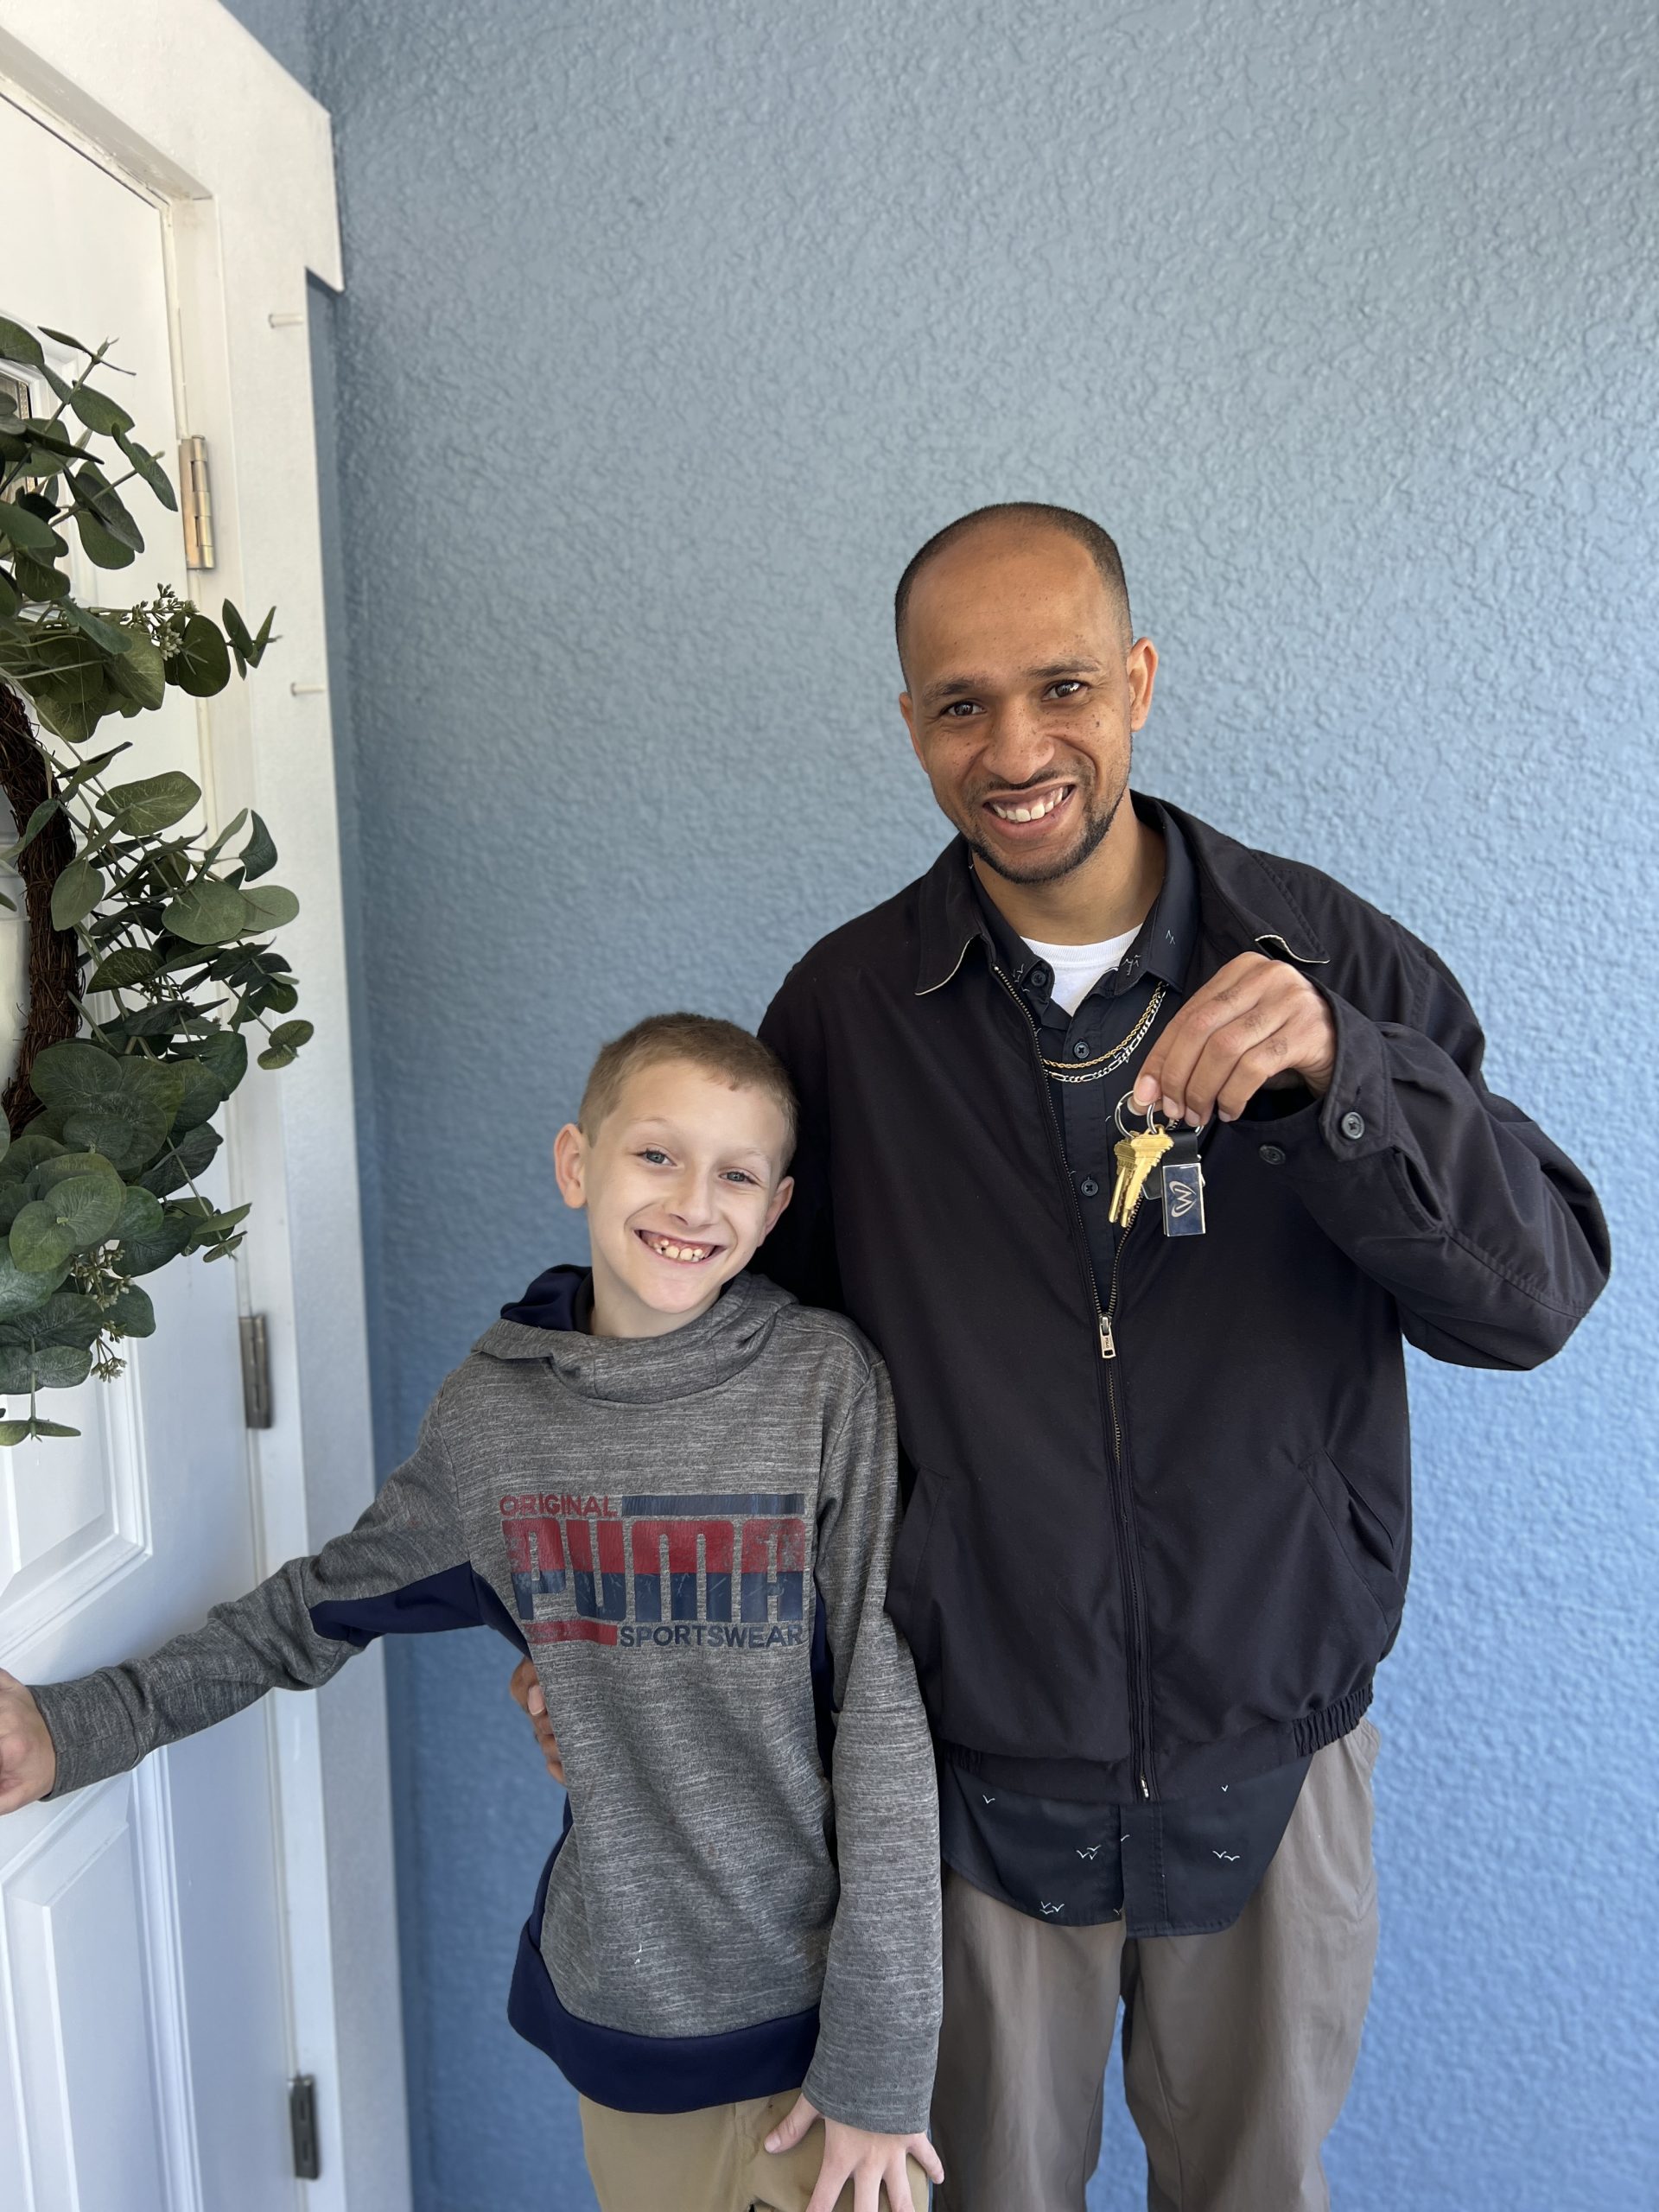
[1024, 694]
[681, 1180]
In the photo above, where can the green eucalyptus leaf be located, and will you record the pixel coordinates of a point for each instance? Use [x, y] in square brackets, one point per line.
[182, 1161]
[153, 803]
[77, 1075]
[142, 1255]
[36, 580]
[68, 1317]
[62, 338]
[81, 1160]
[32, 828]
[269, 908]
[99, 411]
[226, 1053]
[258, 855]
[285, 1042]
[17, 344]
[75, 894]
[10, 598]
[95, 491]
[35, 1145]
[202, 666]
[47, 1367]
[102, 548]
[140, 1217]
[204, 1094]
[140, 673]
[78, 1214]
[128, 965]
[109, 635]
[207, 912]
[21, 1292]
[132, 1314]
[149, 470]
[129, 1135]
[22, 527]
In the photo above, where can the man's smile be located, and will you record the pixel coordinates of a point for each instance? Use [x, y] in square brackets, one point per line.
[1029, 807]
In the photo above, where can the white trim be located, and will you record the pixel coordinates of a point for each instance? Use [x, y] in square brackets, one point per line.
[180, 97]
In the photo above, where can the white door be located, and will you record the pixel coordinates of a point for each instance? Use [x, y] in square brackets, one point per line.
[144, 2044]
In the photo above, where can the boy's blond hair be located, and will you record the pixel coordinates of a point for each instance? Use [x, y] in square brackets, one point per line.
[719, 1048]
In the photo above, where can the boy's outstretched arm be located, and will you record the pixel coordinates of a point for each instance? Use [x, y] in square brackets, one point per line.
[879, 2015]
[404, 1565]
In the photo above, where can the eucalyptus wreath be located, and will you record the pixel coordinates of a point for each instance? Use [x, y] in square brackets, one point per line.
[149, 957]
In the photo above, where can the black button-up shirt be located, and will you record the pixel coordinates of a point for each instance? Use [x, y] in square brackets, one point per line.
[1181, 1866]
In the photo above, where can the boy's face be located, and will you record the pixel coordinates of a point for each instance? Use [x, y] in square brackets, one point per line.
[680, 1181]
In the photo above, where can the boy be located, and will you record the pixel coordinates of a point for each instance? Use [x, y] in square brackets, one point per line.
[675, 1489]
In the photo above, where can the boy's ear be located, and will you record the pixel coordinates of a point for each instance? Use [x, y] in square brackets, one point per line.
[570, 1165]
[780, 1198]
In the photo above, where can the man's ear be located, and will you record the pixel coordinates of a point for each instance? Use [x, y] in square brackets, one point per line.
[570, 1165]
[1142, 674]
[780, 1198]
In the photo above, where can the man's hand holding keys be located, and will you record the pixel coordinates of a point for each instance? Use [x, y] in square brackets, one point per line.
[1256, 1025]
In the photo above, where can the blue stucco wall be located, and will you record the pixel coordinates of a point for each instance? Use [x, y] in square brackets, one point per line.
[669, 334]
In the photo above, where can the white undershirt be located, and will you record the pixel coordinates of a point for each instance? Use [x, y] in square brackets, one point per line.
[1078, 967]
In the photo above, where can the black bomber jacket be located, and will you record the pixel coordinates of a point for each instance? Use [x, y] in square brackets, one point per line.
[1154, 1573]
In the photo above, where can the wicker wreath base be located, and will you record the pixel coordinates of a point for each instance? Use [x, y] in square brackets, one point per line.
[53, 955]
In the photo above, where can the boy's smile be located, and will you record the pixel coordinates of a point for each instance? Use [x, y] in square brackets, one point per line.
[681, 1179]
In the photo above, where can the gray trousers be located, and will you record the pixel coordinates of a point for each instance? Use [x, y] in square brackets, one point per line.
[1238, 2047]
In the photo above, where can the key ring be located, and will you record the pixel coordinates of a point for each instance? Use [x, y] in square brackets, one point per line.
[1156, 1122]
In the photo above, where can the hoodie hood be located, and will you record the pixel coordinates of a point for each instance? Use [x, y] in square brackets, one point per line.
[546, 1325]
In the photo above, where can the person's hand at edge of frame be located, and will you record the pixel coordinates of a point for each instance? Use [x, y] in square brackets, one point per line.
[28, 1759]
[527, 1692]
[855, 2155]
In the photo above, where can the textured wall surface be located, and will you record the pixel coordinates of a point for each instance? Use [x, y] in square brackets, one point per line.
[669, 334]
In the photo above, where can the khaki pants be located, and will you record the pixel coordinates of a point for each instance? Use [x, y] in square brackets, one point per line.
[715, 2160]
[1238, 2047]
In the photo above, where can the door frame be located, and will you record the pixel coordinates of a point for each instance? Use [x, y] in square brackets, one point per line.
[178, 98]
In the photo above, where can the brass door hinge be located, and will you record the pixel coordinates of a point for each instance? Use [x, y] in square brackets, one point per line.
[196, 503]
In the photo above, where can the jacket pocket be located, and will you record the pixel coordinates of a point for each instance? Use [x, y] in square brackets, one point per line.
[1361, 1539]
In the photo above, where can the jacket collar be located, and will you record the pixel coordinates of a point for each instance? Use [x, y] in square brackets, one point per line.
[646, 1370]
[1241, 900]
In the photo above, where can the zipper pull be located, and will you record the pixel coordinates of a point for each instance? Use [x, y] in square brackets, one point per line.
[1108, 1345]
[1145, 1792]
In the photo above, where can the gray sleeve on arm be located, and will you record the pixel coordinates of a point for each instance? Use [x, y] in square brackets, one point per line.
[104, 1723]
[879, 2028]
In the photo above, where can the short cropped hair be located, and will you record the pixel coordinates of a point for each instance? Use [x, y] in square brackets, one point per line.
[719, 1048]
[1093, 540]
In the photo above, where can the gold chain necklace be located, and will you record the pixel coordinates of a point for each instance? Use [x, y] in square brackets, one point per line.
[1108, 1063]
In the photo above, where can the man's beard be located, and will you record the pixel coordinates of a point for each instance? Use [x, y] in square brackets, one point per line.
[1089, 839]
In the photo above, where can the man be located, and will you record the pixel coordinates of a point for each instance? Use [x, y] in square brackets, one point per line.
[1158, 1524]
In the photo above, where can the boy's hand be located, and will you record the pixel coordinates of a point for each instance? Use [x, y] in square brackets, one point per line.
[854, 2154]
[29, 1762]
[527, 1690]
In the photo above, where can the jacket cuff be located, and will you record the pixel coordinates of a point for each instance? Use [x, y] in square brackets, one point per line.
[1355, 1120]
[90, 1730]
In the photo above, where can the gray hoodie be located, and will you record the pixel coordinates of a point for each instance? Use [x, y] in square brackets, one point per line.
[689, 1534]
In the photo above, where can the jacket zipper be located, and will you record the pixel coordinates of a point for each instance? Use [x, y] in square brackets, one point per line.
[1139, 1652]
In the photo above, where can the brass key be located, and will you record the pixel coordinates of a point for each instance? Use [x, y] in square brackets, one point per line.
[1136, 1157]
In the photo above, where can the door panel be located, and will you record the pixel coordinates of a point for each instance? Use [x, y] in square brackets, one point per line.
[144, 2046]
